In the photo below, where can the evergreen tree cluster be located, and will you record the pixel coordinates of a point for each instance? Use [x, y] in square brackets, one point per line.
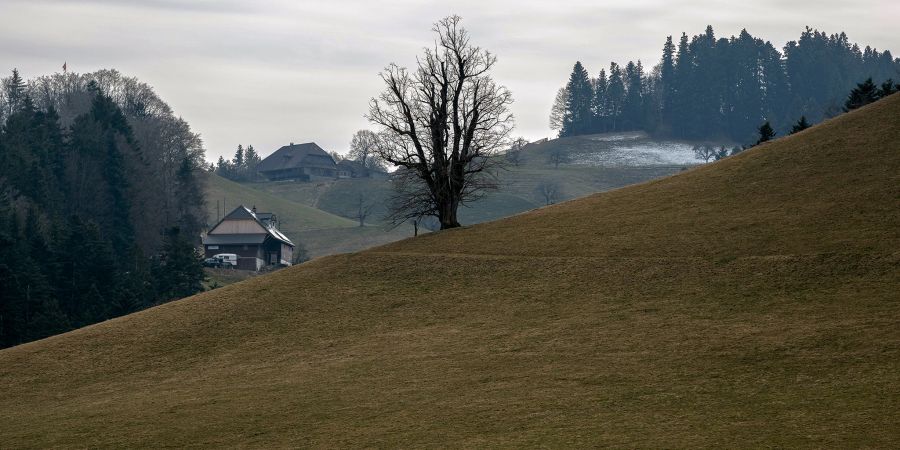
[708, 88]
[242, 167]
[101, 203]
[866, 92]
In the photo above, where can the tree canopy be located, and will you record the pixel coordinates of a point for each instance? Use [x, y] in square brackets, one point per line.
[442, 124]
[101, 201]
[714, 88]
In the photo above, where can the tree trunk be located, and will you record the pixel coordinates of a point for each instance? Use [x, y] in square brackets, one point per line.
[447, 214]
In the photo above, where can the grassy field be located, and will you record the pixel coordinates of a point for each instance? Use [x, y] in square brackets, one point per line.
[320, 232]
[752, 302]
[517, 191]
[293, 217]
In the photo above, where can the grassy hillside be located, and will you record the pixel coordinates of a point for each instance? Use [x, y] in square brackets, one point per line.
[294, 217]
[517, 191]
[320, 232]
[752, 302]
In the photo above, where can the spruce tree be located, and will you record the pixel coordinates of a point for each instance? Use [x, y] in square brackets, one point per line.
[14, 88]
[251, 159]
[179, 272]
[632, 109]
[680, 103]
[888, 88]
[801, 125]
[863, 94]
[598, 105]
[190, 219]
[239, 157]
[667, 79]
[766, 133]
[578, 118]
[615, 97]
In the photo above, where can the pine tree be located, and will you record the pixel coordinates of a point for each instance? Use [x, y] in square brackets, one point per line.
[888, 88]
[680, 103]
[179, 272]
[116, 139]
[251, 160]
[223, 168]
[239, 158]
[633, 107]
[14, 88]
[615, 97]
[801, 125]
[191, 219]
[667, 79]
[766, 133]
[863, 94]
[598, 105]
[578, 118]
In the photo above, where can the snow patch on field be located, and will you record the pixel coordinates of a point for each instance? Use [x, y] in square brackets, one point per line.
[616, 137]
[625, 150]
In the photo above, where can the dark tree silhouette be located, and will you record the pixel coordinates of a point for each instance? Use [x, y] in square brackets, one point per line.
[578, 118]
[863, 94]
[801, 125]
[766, 133]
[443, 123]
[704, 152]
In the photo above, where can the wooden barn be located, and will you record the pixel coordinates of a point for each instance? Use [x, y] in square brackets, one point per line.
[300, 162]
[254, 237]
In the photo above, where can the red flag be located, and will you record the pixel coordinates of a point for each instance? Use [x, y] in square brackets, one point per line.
[64, 65]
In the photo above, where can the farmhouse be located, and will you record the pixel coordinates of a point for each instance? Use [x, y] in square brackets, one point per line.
[254, 237]
[301, 162]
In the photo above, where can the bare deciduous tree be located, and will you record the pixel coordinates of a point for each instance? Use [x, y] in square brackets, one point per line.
[549, 191]
[515, 154]
[363, 149]
[443, 123]
[558, 156]
[704, 152]
[558, 111]
[362, 208]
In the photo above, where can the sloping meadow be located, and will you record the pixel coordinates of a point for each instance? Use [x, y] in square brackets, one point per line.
[751, 302]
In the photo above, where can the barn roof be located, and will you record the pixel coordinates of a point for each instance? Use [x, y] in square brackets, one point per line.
[242, 213]
[297, 155]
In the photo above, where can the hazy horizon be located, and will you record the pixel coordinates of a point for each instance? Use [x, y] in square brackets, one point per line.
[276, 72]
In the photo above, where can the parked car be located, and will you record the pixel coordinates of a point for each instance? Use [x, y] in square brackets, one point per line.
[212, 262]
[229, 260]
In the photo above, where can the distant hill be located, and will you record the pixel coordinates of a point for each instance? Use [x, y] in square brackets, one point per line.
[752, 302]
[594, 164]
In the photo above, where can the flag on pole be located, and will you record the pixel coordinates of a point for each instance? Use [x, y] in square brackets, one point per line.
[65, 66]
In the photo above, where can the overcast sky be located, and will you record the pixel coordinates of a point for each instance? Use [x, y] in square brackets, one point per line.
[272, 72]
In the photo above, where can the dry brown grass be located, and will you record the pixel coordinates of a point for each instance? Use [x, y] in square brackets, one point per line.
[749, 303]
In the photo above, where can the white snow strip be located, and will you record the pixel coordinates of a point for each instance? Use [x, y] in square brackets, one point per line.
[639, 154]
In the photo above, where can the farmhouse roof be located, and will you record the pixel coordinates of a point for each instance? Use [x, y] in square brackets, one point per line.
[297, 155]
[242, 213]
